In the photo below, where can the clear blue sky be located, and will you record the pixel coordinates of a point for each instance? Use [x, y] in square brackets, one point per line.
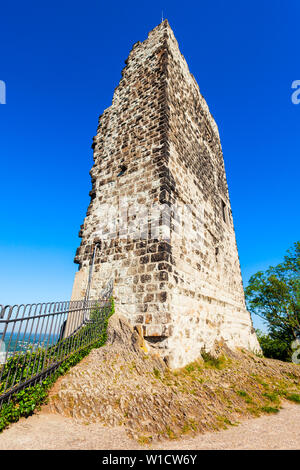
[61, 62]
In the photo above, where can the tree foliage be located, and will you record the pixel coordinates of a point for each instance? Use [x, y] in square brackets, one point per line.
[274, 348]
[274, 295]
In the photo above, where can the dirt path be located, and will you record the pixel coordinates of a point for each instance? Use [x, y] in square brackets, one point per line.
[51, 431]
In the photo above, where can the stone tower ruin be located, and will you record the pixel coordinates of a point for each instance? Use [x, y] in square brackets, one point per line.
[160, 215]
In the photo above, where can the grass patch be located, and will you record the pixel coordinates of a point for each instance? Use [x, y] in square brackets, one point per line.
[245, 395]
[190, 368]
[295, 397]
[269, 409]
[214, 362]
[189, 426]
[170, 433]
[260, 381]
[224, 421]
[254, 411]
[144, 440]
[186, 428]
[271, 396]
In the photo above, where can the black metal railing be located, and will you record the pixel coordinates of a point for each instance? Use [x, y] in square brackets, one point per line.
[35, 339]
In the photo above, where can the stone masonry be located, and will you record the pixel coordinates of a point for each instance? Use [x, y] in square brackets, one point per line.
[160, 212]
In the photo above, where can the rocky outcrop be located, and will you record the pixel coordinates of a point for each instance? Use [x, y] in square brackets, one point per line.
[124, 383]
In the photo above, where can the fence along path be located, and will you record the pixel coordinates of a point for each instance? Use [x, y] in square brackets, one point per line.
[36, 338]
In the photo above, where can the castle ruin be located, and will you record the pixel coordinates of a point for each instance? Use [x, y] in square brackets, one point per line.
[159, 223]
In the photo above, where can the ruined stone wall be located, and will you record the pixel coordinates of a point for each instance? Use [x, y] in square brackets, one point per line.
[176, 271]
[207, 297]
[131, 137]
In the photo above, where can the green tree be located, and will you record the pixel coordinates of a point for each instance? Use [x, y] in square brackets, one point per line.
[274, 295]
[275, 348]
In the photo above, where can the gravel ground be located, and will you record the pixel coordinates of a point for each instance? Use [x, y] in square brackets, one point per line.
[51, 431]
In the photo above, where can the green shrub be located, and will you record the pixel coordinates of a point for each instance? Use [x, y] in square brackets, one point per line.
[293, 397]
[269, 409]
[272, 396]
[274, 348]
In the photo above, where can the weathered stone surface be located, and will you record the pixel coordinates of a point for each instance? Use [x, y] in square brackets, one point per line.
[157, 147]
